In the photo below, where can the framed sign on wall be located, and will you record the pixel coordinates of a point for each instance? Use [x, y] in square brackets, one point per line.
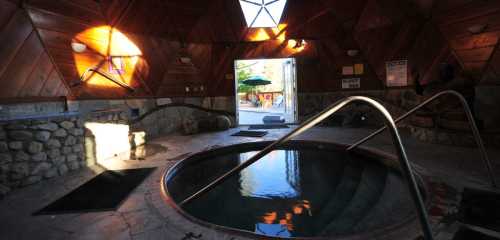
[397, 73]
[351, 83]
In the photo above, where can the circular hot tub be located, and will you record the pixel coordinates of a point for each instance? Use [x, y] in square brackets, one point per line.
[304, 189]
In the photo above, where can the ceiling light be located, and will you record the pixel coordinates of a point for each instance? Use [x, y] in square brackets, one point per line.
[78, 47]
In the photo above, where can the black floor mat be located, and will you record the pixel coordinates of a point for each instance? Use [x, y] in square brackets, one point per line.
[105, 192]
[481, 208]
[268, 126]
[250, 134]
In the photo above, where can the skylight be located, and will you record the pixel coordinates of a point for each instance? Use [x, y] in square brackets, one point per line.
[262, 13]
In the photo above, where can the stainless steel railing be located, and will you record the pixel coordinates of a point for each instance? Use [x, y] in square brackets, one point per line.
[470, 118]
[403, 159]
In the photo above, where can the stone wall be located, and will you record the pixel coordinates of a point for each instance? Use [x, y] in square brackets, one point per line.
[179, 118]
[33, 150]
[357, 114]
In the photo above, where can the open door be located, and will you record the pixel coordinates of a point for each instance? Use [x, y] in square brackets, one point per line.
[266, 91]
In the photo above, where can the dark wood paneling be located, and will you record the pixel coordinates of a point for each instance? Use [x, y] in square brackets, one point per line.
[25, 66]
[216, 34]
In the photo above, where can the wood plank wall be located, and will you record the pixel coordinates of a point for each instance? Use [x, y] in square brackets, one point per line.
[26, 70]
[426, 32]
[478, 53]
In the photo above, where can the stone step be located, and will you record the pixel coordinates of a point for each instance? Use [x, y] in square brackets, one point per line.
[370, 188]
[393, 209]
[341, 196]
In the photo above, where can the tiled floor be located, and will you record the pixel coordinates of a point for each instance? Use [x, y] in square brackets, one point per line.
[142, 215]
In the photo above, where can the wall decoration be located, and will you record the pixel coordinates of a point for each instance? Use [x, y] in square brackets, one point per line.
[351, 83]
[359, 69]
[348, 70]
[397, 73]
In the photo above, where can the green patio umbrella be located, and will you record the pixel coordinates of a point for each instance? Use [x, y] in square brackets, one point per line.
[256, 81]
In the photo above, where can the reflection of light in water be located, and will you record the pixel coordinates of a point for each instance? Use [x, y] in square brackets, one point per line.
[277, 230]
[275, 175]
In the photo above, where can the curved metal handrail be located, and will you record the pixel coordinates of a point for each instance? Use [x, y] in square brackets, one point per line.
[403, 159]
[470, 118]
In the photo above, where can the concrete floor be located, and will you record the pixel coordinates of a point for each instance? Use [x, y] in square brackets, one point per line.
[144, 215]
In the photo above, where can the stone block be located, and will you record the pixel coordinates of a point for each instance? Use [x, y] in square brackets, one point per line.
[21, 156]
[70, 141]
[39, 157]
[73, 165]
[40, 168]
[67, 124]
[35, 147]
[31, 180]
[72, 158]
[60, 133]
[21, 135]
[63, 169]
[54, 153]
[223, 123]
[53, 143]
[16, 145]
[5, 158]
[78, 148]
[58, 160]
[47, 126]
[76, 131]
[66, 150]
[42, 136]
[50, 173]
[19, 171]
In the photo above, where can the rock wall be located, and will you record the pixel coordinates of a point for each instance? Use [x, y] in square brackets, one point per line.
[357, 114]
[177, 118]
[34, 150]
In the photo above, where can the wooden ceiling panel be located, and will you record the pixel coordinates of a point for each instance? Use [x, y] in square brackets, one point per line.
[7, 10]
[467, 11]
[346, 10]
[15, 76]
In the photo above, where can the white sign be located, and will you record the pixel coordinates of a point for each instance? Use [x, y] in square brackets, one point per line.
[397, 73]
[351, 83]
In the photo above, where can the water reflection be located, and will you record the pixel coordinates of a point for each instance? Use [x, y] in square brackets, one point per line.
[275, 175]
[288, 193]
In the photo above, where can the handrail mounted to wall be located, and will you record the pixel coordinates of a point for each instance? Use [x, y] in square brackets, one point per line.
[470, 118]
[403, 159]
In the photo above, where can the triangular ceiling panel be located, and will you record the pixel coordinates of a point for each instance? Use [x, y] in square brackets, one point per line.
[372, 17]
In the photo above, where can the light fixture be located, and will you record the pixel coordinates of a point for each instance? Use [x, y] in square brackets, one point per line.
[78, 47]
[477, 28]
[352, 52]
[299, 44]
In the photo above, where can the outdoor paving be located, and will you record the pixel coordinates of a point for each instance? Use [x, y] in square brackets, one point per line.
[144, 215]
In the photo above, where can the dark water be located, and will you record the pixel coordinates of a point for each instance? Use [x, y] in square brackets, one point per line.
[288, 193]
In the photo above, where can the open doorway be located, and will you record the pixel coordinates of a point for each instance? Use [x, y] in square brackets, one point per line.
[266, 91]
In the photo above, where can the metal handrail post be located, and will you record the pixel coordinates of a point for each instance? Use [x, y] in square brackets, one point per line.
[403, 159]
[470, 118]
